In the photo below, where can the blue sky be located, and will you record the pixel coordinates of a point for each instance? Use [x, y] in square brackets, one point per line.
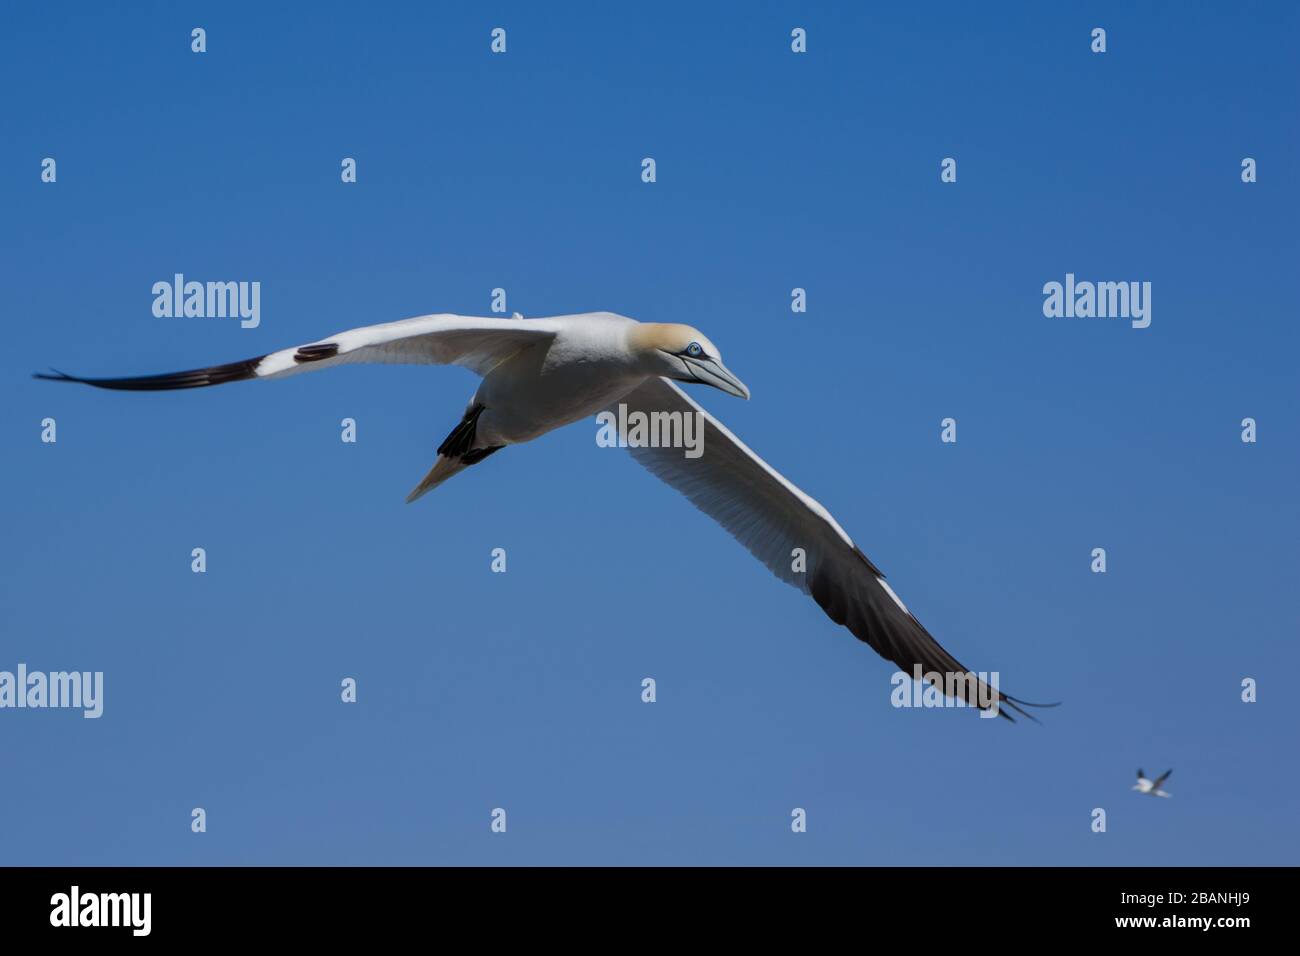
[522, 690]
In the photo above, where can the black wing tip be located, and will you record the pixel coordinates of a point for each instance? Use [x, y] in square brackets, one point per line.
[869, 563]
[1010, 702]
[194, 378]
[1030, 703]
[1018, 705]
[56, 377]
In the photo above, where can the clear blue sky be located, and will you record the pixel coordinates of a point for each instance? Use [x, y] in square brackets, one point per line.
[522, 690]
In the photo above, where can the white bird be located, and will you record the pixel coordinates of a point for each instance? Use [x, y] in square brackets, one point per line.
[540, 374]
[1151, 787]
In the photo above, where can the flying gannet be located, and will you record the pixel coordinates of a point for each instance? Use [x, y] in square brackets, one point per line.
[1151, 786]
[540, 374]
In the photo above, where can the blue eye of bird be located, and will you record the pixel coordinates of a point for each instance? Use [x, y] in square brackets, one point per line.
[694, 350]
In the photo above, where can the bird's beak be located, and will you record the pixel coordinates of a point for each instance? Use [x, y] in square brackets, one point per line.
[712, 372]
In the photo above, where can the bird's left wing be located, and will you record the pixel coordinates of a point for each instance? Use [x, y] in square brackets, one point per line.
[771, 517]
[1161, 779]
[478, 344]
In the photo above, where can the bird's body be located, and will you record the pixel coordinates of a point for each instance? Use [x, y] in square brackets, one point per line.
[548, 385]
[578, 366]
[542, 374]
[1151, 787]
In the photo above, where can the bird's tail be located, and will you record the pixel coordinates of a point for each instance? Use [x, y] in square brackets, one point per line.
[442, 469]
[448, 465]
[456, 453]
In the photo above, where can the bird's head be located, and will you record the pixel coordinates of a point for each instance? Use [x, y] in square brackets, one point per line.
[683, 353]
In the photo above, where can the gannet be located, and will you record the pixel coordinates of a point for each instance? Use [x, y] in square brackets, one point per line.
[541, 374]
[1151, 786]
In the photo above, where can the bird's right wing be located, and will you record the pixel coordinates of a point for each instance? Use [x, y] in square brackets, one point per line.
[479, 344]
[771, 517]
[1161, 779]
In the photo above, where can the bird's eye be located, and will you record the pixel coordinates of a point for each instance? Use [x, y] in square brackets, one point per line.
[694, 350]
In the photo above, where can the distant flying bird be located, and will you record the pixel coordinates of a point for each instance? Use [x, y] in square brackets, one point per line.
[1151, 786]
[540, 374]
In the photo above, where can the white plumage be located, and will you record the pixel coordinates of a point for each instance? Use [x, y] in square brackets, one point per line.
[541, 374]
[1151, 787]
